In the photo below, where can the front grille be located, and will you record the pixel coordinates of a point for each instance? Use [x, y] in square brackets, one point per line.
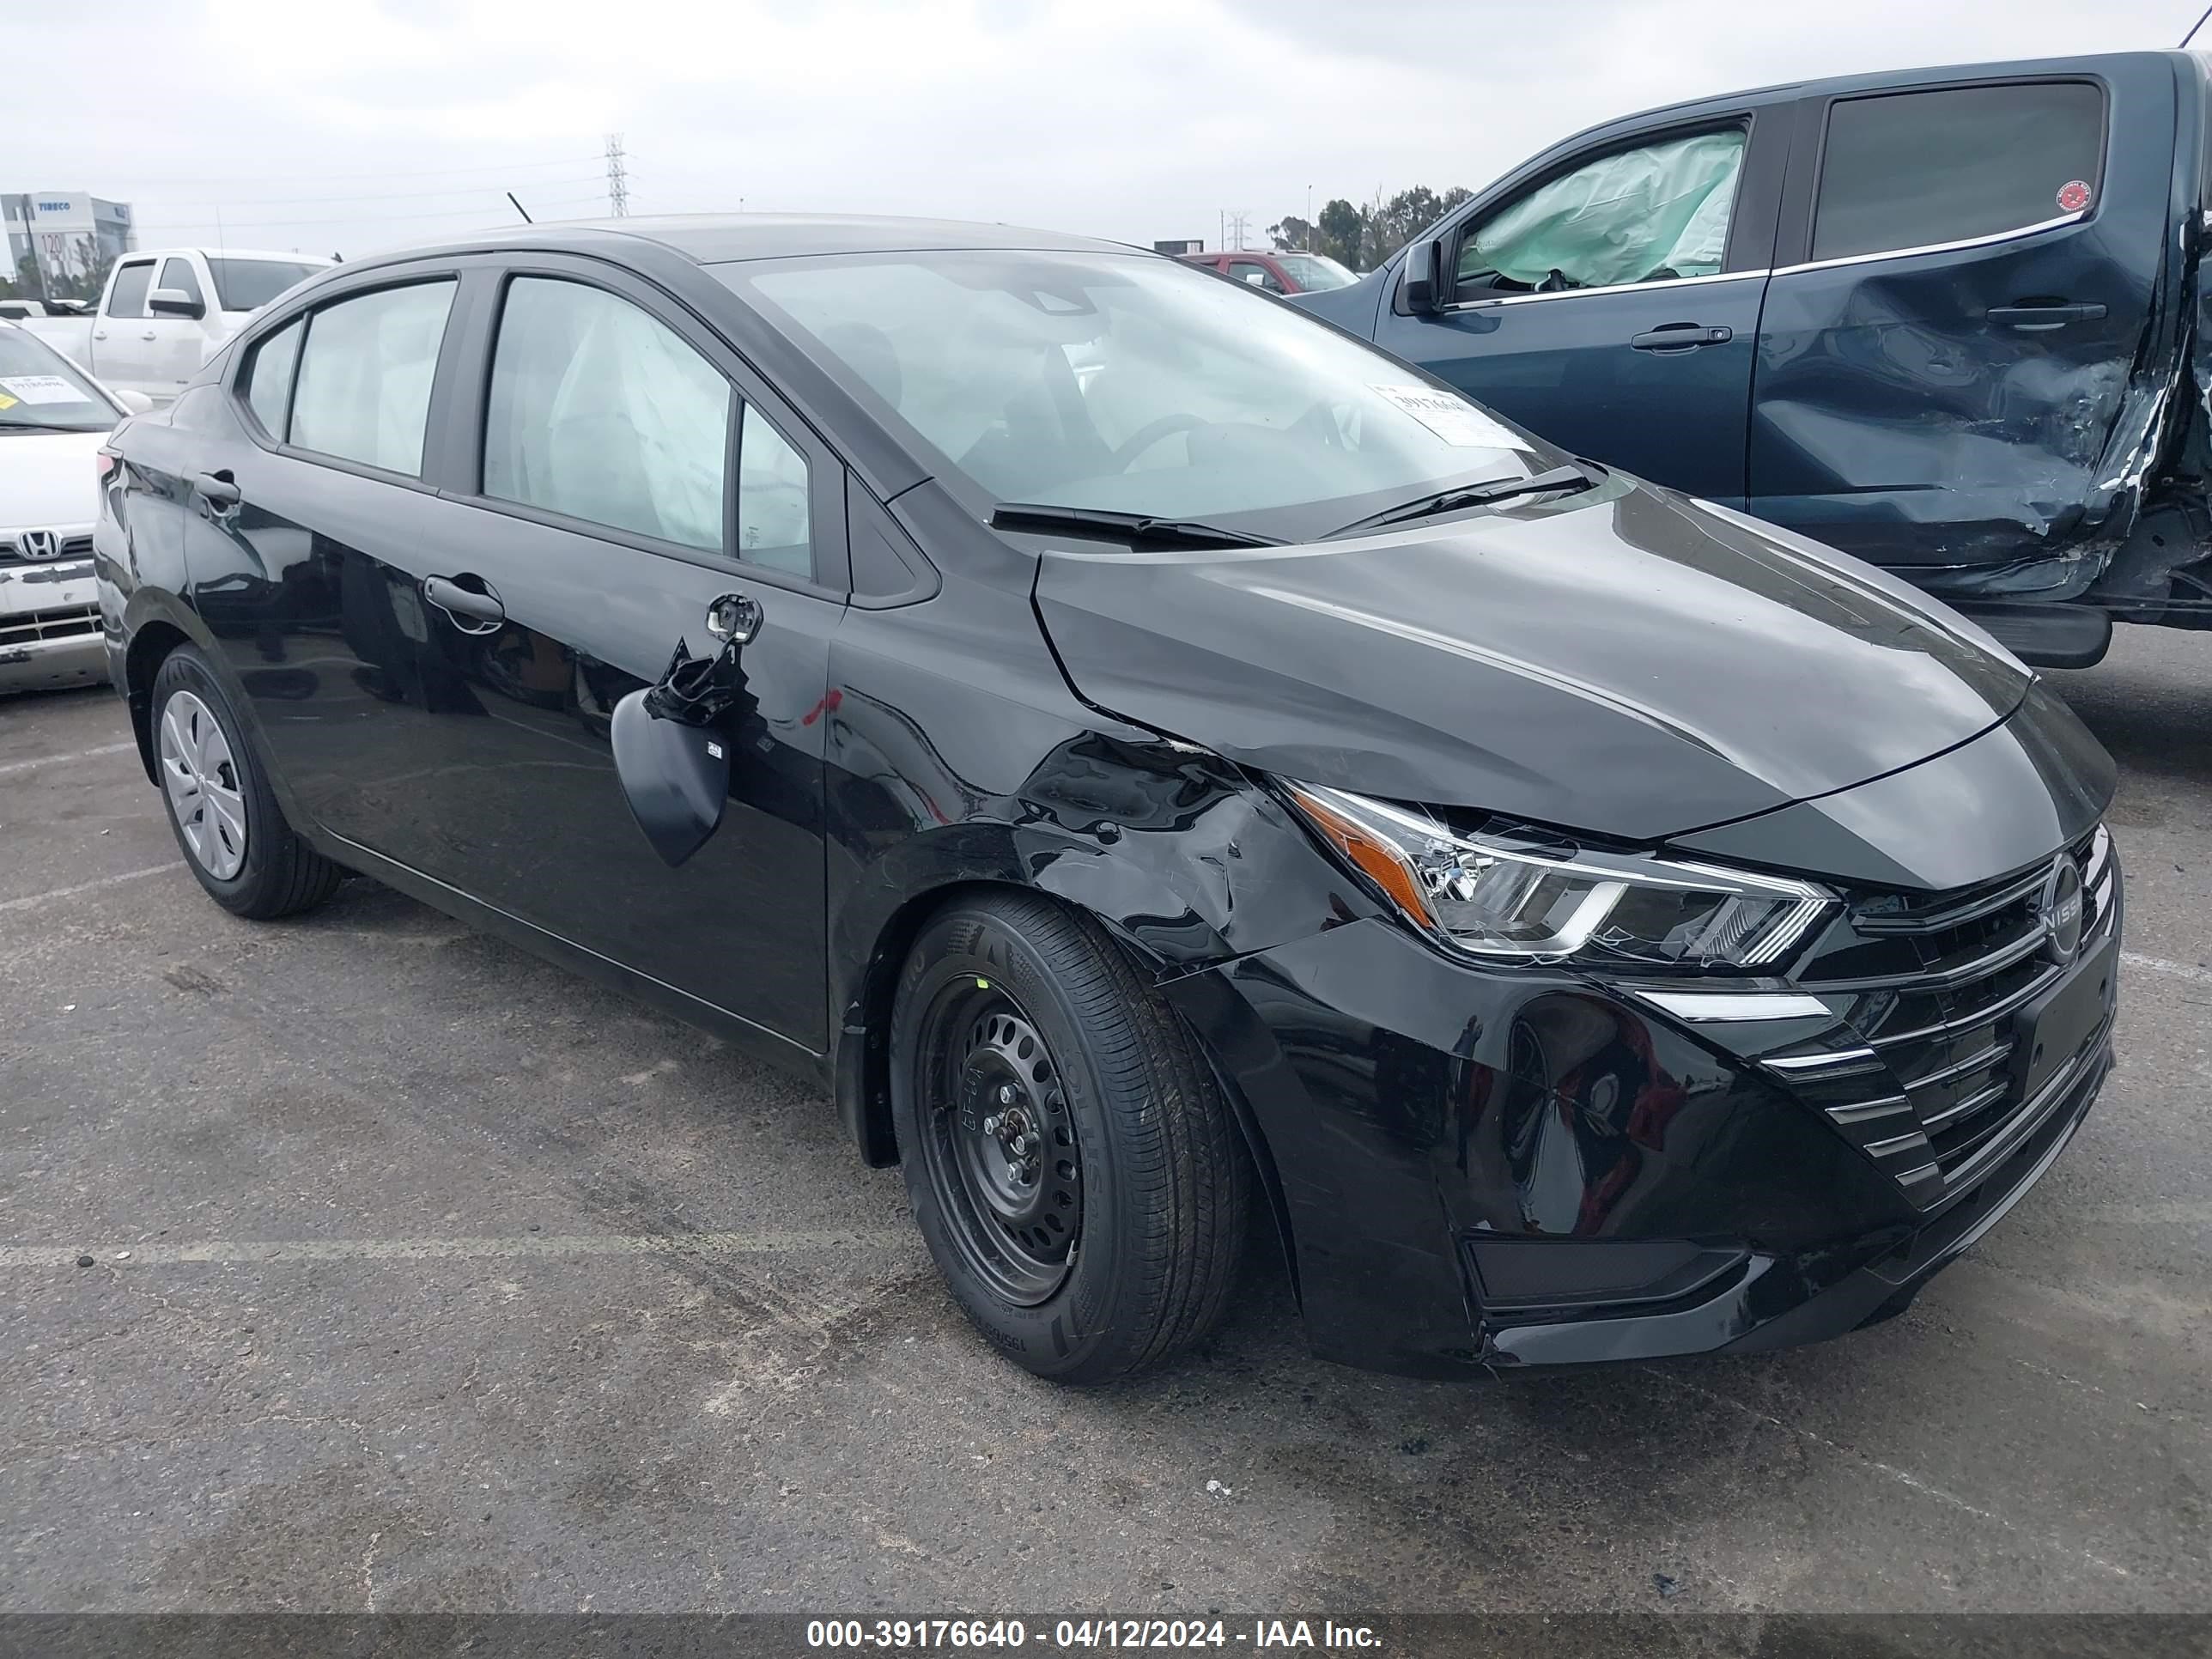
[68, 622]
[72, 547]
[1930, 983]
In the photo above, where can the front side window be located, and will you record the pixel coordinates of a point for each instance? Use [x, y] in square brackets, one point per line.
[179, 275]
[1254, 273]
[1651, 214]
[269, 377]
[365, 375]
[1124, 382]
[249, 284]
[772, 503]
[1914, 169]
[600, 411]
[127, 297]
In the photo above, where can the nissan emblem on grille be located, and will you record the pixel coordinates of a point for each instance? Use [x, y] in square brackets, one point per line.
[2061, 905]
[40, 544]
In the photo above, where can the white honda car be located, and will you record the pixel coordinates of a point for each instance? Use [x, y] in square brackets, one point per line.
[53, 419]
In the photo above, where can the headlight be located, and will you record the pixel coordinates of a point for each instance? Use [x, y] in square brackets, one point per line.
[1516, 897]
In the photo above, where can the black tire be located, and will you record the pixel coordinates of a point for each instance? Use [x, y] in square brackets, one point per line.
[1138, 1147]
[281, 874]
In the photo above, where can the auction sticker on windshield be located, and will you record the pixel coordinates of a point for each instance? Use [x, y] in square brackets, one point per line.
[39, 389]
[1459, 423]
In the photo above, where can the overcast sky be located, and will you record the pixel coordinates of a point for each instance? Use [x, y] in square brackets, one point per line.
[354, 124]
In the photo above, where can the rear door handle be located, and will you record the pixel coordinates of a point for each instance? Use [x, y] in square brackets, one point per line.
[1682, 337]
[2034, 320]
[476, 604]
[148, 335]
[217, 489]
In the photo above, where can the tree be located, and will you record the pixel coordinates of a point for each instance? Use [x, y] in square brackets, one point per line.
[1343, 231]
[1291, 232]
[1364, 237]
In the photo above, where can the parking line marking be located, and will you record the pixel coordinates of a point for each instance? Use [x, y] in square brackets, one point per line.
[238, 1252]
[50, 760]
[2160, 965]
[31, 901]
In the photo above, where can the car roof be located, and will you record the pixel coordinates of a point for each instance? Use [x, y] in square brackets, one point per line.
[711, 238]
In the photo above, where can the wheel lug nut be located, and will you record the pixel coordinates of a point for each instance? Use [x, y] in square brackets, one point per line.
[1005, 1094]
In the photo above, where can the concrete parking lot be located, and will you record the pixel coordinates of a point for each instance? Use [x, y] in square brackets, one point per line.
[425, 1276]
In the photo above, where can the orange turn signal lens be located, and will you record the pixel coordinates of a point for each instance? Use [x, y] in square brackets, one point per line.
[1382, 861]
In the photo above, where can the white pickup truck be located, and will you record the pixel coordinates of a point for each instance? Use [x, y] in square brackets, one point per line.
[165, 313]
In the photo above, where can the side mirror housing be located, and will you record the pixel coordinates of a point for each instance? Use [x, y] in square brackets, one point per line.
[173, 303]
[1421, 286]
[136, 402]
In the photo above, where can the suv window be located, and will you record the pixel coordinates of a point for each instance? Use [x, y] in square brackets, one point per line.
[178, 274]
[1250, 270]
[1912, 169]
[1650, 215]
[599, 410]
[365, 374]
[127, 297]
[268, 378]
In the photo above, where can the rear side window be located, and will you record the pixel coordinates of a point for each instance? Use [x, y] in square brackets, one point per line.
[268, 378]
[365, 374]
[1914, 169]
[602, 412]
[127, 297]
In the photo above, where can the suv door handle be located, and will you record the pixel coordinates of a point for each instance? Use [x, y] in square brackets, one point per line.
[466, 604]
[148, 335]
[1682, 336]
[217, 489]
[2035, 318]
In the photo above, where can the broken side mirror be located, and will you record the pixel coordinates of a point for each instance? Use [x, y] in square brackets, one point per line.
[1421, 284]
[671, 740]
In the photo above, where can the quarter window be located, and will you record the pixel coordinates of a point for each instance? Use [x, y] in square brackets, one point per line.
[1913, 169]
[127, 297]
[365, 374]
[772, 525]
[601, 412]
[1651, 214]
[269, 377]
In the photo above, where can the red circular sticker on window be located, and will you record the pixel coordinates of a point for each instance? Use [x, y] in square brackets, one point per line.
[2073, 195]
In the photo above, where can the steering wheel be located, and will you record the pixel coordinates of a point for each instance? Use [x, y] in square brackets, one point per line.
[1150, 432]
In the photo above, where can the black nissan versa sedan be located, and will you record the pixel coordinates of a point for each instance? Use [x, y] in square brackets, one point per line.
[1168, 767]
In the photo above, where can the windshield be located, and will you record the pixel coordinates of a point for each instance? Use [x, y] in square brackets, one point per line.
[1315, 272]
[249, 284]
[41, 390]
[1127, 382]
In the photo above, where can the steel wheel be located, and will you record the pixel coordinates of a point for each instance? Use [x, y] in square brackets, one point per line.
[200, 776]
[1000, 1146]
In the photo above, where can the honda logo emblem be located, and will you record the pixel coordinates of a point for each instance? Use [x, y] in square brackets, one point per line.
[41, 543]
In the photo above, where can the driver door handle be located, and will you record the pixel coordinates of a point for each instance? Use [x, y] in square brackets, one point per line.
[464, 604]
[1682, 337]
[2034, 318]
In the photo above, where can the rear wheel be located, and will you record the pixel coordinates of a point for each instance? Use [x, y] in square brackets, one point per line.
[232, 833]
[1070, 1159]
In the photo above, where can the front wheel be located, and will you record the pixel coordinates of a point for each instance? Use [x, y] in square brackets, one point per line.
[1071, 1162]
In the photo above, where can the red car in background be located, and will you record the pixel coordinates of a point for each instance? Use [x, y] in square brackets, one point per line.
[1287, 272]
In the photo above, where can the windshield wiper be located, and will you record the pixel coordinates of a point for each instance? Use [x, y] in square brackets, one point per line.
[44, 426]
[1568, 479]
[1134, 526]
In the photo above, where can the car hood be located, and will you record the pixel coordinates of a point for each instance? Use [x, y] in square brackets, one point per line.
[1624, 662]
[46, 480]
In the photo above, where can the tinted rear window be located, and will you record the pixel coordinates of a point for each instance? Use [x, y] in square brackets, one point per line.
[1916, 168]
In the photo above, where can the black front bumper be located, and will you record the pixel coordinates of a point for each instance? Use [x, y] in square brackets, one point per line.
[1477, 1170]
